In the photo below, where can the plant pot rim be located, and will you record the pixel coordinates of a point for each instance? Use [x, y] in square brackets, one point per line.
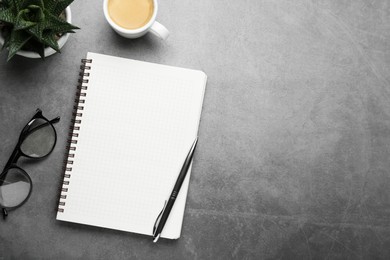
[48, 51]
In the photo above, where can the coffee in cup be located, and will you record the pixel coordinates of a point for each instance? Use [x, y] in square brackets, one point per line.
[134, 18]
[130, 14]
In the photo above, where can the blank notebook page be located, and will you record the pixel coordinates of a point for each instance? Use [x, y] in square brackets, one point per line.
[137, 126]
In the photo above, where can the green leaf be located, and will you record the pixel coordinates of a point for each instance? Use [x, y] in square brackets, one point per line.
[7, 16]
[16, 4]
[65, 28]
[36, 13]
[49, 5]
[36, 31]
[22, 21]
[50, 40]
[56, 7]
[4, 3]
[16, 42]
[57, 25]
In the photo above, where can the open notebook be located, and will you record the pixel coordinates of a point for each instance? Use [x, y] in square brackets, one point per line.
[134, 124]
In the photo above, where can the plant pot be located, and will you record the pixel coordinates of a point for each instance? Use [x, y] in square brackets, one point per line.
[48, 51]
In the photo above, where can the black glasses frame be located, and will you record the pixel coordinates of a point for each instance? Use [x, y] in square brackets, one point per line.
[17, 153]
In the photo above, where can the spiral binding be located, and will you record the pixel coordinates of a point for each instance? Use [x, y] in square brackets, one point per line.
[74, 128]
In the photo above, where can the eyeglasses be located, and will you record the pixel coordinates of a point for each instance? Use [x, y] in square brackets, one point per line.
[36, 141]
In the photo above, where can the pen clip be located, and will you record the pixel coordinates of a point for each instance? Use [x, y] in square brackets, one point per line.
[158, 219]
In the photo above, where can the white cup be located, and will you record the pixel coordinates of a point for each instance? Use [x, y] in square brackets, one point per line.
[152, 26]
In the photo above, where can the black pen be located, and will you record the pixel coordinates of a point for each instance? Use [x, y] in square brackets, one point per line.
[164, 214]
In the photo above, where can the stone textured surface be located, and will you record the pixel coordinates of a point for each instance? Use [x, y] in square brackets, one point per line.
[293, 160]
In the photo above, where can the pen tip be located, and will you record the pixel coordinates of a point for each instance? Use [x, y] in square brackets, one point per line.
[156, 238]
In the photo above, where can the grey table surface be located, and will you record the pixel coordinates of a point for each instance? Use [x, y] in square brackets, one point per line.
[293, 160]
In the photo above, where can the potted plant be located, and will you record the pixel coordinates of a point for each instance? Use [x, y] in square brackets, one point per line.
[34, 28]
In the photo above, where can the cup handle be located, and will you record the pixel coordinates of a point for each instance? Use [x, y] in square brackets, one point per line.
[159, 30]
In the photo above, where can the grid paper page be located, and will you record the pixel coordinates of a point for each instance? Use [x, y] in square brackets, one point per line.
[139, 122]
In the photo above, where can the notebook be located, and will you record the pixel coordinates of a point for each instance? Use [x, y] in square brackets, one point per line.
[134, 125]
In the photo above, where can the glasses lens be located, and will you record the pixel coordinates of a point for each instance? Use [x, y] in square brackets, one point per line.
[14, 187]
[40, 139]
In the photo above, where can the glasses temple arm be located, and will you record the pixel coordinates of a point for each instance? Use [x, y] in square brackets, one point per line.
[55, 120]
